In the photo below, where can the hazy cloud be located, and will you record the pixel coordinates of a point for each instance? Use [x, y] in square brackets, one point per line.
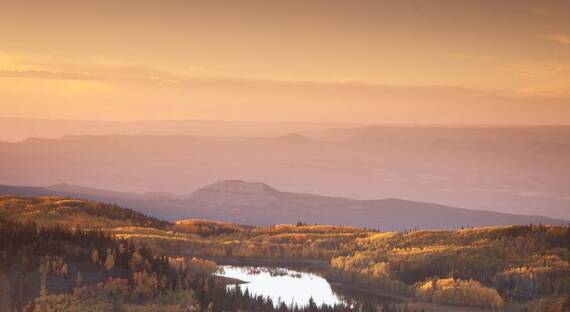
[44, 74]
[560, 38]
[132, 91]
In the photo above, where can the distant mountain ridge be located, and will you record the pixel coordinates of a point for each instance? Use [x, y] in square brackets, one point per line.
[255, 203]
[18, 129]
[522, 170]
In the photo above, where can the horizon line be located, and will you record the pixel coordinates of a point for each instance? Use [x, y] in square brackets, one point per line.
[348, 123]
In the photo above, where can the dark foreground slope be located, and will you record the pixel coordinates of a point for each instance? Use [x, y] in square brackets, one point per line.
[511, 268]
[259, 204]
[51, 261]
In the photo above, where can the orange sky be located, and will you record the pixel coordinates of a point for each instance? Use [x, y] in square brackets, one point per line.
[412, 62]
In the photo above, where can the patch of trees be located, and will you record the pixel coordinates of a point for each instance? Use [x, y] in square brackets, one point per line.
[27, 248]
[556, 303]
[458, 292]
[205, 294]
[155, 282]
[207, 229]
[519, 262]
[66, 211]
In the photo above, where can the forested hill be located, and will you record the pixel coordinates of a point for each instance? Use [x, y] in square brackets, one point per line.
[51, 210]
[255, 203]
[45, 265]
[510, 268]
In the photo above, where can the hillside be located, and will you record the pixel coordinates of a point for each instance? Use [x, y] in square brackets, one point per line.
[159, 205]
[508, 267]
[256, 203]
[66, 212]
[490, 266]
[63, 269]
[260, 204]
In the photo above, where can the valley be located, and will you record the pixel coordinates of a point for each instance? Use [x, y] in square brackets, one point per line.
[285, 156]
[506, 267]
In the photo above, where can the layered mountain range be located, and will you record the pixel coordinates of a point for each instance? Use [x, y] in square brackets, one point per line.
[517, 170]
[256, 203]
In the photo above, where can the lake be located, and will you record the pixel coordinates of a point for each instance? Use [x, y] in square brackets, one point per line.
[290, 286]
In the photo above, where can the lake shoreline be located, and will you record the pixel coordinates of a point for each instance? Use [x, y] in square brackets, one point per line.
[228, 280]
[270, 262]
[323, 266]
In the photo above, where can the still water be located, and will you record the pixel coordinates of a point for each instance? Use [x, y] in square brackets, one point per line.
[282, 285]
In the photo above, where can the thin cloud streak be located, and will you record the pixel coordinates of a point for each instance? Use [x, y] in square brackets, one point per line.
[559, 38]
[44, 74]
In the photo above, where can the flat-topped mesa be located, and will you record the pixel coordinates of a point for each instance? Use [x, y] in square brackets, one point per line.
[293, 137]
[236, 193]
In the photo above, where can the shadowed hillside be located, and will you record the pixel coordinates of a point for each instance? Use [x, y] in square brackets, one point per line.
[256, 203]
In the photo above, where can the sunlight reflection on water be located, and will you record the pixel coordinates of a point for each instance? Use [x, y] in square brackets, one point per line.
[282, 285]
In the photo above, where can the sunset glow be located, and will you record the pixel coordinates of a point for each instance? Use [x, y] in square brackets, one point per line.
[414, 62]
[285, 155]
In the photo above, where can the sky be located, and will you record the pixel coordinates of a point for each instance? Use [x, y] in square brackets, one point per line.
[383, 62]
